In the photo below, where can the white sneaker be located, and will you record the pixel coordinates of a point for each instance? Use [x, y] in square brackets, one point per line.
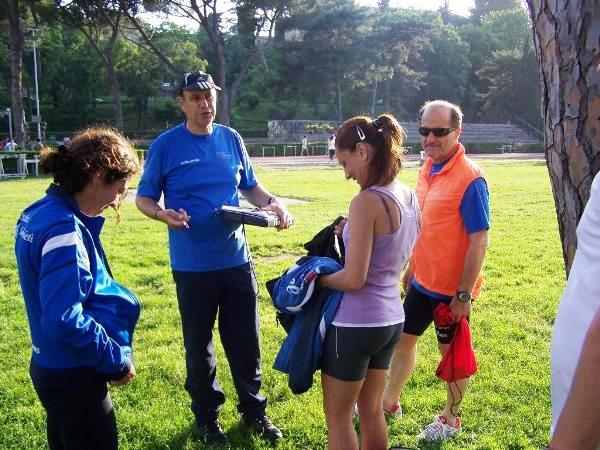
[440, 429]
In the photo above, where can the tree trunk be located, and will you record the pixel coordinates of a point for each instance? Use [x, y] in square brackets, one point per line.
[114, 87]
[224, 105]
[339, 100]
[16, 65]
[567, 41]
[374, 99]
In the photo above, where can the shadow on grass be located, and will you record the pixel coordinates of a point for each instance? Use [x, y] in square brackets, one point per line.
[242, 438]
[425, 446]
[187, 434]
[239, 436]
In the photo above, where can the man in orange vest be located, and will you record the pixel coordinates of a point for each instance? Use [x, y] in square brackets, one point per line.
[446, 263]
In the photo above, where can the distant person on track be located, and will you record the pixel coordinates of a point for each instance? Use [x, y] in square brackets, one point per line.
[331, 148]
[304, 151]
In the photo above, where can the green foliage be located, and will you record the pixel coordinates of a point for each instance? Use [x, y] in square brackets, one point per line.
[512, 86]
[510, 27]
[166, 111]
[484, 7]
[183, 46]
[332, 59]
[447, 66]
[318, 128]
[503, 80]
[72, 78]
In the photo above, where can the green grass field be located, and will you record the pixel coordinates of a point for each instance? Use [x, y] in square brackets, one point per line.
[508, 404]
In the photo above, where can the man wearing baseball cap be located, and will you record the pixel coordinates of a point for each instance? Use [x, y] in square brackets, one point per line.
[199, 166]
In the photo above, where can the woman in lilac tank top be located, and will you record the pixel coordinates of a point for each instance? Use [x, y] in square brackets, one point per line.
[379, 235]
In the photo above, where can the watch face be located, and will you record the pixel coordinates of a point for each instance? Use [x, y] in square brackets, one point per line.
[464, 296]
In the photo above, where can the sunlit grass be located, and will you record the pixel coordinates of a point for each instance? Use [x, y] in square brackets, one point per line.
[508, 404]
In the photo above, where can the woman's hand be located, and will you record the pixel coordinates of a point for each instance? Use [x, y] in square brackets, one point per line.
[339, 228]
[126, 379]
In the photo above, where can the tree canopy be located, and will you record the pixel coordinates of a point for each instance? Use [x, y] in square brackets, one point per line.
[274, 59]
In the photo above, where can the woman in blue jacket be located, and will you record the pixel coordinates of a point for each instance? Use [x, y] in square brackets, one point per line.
[81, 320]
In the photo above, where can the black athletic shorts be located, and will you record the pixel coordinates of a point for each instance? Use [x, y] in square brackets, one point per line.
[348, 352]
[418, 308]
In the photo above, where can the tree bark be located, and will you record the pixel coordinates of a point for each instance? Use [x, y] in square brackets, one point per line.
[339, 99]
[16, 66]
[114, 87]
[567, 41]
[374, 98]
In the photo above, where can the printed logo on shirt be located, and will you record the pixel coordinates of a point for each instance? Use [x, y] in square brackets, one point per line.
[223, 155]
[310, 276]
[35, 349]
[25, 235]
[25, 218]
[189, 161]
[291, 289]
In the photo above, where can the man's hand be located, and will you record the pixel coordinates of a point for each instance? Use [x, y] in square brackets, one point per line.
[407, 279]
[174, 219]
[126, 379]
[460, 309]
[285, 218]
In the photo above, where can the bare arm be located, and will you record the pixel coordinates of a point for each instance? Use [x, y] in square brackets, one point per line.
[579, 423]
[260, 197]
[358, 254]
[409, 273]
[478, 244]
[174, 219]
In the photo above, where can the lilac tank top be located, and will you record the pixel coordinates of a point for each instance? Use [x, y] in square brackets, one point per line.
[378, 303]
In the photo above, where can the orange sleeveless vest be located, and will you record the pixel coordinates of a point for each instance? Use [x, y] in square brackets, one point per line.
[440, 250]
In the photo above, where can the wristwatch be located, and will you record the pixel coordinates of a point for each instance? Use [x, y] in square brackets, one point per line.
[463, 296]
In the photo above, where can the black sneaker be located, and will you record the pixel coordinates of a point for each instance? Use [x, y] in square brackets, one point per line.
[212, 433]
[262, 425]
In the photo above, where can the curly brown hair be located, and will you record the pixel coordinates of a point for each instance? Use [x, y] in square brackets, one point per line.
[92, 150]
[385, 134]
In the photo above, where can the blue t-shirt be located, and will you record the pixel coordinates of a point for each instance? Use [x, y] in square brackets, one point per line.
[200, 174]
[475, 212]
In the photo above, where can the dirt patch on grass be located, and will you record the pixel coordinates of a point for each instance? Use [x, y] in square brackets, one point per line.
[276, 258]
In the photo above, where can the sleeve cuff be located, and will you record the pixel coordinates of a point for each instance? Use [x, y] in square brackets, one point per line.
[124, 371]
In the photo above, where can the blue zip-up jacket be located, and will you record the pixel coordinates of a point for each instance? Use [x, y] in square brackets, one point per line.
[295, 293]
[81, 320]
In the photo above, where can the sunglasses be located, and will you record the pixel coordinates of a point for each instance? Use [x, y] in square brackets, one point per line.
[437, 132]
